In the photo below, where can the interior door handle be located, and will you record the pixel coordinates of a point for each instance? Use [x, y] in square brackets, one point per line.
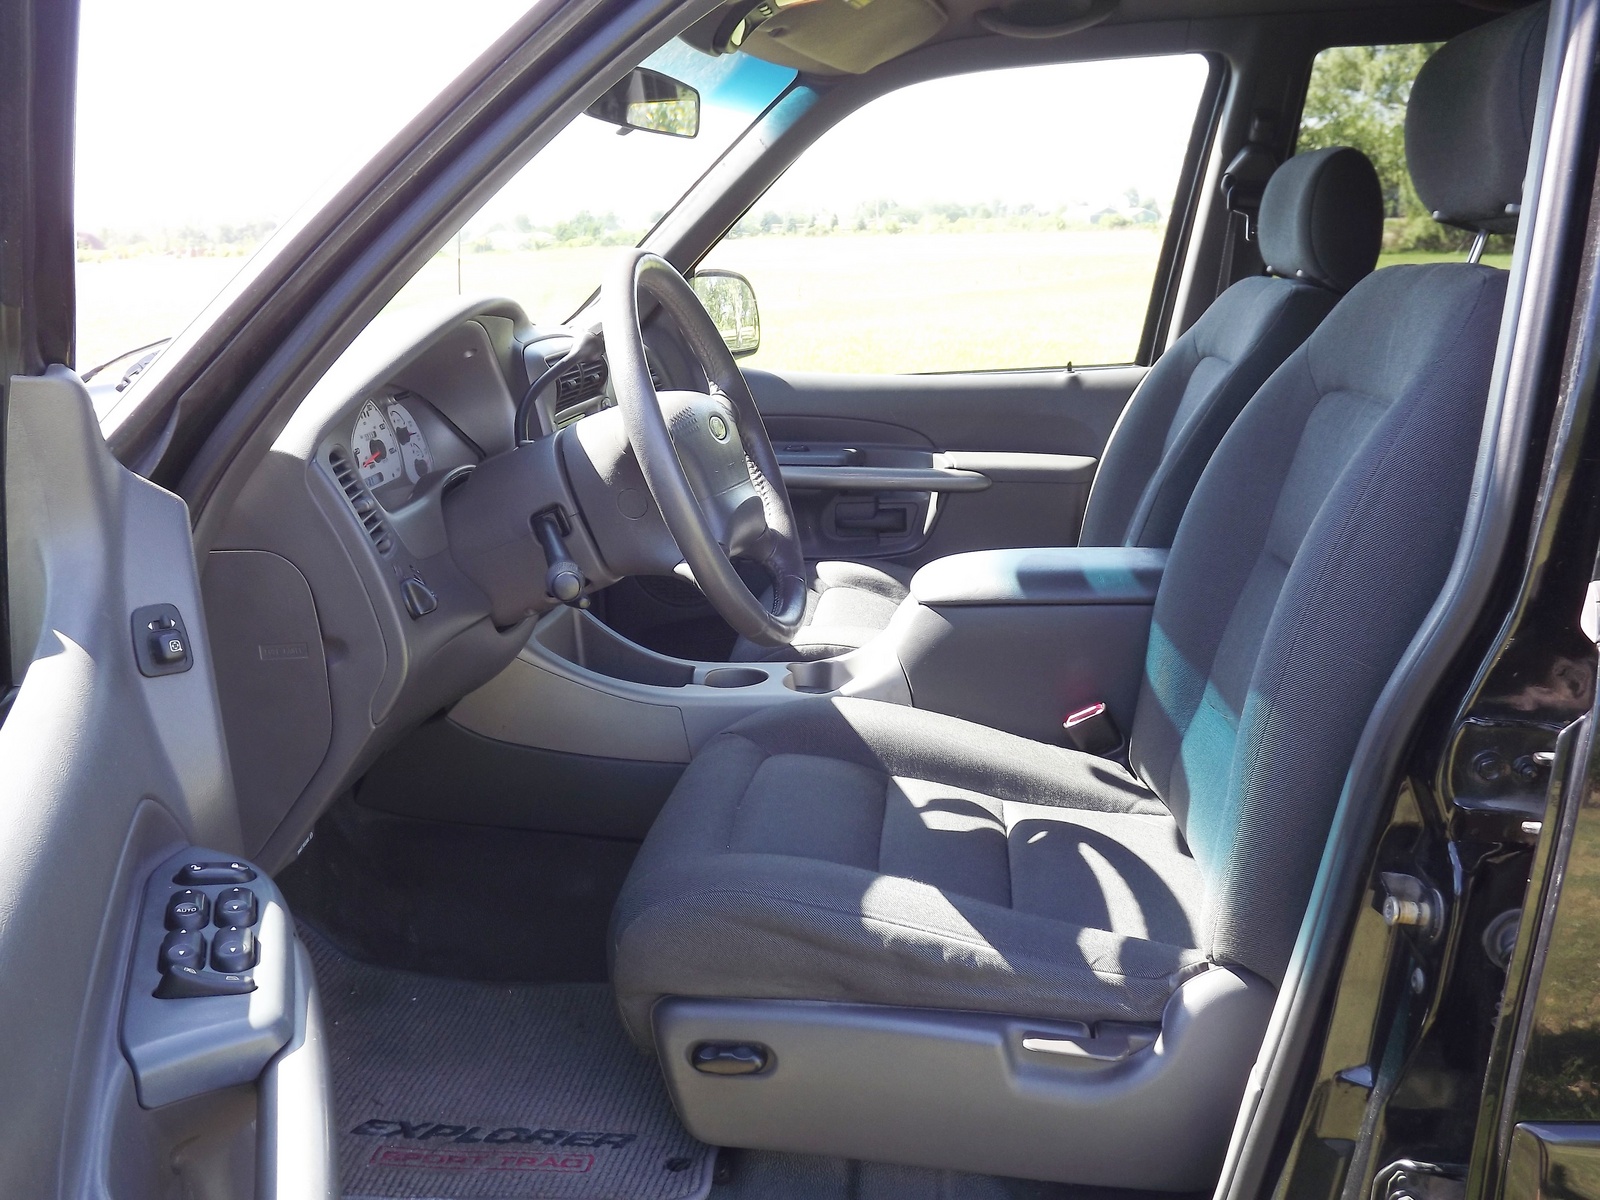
[869, 516]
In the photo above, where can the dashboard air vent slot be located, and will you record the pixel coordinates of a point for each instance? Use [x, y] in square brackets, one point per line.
[580, 381]
[366, 508]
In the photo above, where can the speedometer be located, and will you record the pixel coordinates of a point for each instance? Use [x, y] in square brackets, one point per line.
[376, 448]
[413, 446]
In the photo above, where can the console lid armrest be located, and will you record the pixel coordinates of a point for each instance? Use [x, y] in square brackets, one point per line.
[1047, 575]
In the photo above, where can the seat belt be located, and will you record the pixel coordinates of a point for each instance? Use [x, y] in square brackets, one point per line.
[1244, 181]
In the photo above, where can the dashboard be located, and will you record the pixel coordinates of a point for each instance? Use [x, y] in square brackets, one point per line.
[340, 610]
[381, 562]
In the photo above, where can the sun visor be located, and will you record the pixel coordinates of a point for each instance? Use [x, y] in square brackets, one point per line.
[845, 36]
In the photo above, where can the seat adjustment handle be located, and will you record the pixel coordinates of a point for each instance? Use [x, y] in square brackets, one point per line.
[730, 1058]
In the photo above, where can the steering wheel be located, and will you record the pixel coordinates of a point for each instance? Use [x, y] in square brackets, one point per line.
[706, 456]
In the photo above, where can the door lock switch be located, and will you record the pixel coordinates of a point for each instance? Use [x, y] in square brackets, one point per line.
[213, 872]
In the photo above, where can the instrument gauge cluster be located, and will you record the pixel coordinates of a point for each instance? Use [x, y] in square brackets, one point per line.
[414, 454]
[390, 450]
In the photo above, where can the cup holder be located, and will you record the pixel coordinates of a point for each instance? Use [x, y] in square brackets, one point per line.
[734, 677]
[829, 675]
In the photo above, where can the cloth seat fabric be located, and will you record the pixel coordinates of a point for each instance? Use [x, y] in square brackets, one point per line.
[851, 850]
[1320, 227]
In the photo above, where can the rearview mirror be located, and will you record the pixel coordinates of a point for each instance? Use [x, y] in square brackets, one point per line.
[731, 301]
[648, 100]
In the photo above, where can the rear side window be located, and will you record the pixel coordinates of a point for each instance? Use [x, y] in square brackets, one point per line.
[1001, 219]
[1357, 96]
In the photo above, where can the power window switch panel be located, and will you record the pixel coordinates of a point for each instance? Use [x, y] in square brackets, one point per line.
[236, 908]
[183, 948]
[188, 910]
[233, 951]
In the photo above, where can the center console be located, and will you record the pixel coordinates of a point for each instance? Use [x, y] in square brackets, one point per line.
[1019, 639]
[577, 687]
[1011, 639]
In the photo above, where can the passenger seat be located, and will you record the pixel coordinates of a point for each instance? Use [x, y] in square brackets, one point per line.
[1320, 227]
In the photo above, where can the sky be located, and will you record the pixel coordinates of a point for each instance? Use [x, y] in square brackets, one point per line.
[209, 114]
[212, 113]
[1050, 143]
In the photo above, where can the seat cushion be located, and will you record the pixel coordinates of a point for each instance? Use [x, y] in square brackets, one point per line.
[861, 851]
[847, 605]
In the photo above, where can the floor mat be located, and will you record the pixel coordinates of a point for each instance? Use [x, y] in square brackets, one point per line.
[447, 1090]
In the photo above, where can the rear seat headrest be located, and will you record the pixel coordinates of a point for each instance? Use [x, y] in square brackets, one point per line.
[1322, 218]
[1470, 121]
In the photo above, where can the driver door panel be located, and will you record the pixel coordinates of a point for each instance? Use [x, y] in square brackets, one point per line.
[114, 766]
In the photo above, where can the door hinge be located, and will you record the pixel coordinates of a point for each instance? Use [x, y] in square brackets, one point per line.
[1409, 1180]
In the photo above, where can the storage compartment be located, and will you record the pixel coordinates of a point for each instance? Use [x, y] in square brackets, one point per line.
[1017, 639]
[586, 642]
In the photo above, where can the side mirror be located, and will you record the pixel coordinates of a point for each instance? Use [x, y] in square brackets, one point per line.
[648, 100]
[731, 301]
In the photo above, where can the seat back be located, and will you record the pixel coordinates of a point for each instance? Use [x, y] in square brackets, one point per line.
[1320, 225]
[1321, 532]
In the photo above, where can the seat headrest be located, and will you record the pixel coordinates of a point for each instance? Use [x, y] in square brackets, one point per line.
[1322, 218]
[1470, 121]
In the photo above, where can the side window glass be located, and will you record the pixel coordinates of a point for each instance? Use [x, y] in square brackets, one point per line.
[1357, 96]
[997, 220]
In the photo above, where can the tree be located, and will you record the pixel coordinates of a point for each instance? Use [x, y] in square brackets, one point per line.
[1357, 97]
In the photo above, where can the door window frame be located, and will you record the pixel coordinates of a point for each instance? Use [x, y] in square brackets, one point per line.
[841, 101]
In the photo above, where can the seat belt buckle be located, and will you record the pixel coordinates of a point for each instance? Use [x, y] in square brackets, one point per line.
[1092, 731]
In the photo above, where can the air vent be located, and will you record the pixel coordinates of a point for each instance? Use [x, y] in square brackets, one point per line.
[366, 508]
[580, 382]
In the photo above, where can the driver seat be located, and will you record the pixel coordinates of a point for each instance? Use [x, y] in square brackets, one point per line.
[858, 929]
[1320, 225]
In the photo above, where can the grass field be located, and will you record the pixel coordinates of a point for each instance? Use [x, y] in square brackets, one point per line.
[851, 302]
[1562, 1075]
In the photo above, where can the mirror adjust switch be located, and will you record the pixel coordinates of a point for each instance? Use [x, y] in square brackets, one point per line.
[188, 910]
[160, 641]
[213, 872]
[233, 951]
[168, 647]
[236, 908]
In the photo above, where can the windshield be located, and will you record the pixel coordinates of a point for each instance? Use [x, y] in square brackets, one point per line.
[546, 237]
[201, 128]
